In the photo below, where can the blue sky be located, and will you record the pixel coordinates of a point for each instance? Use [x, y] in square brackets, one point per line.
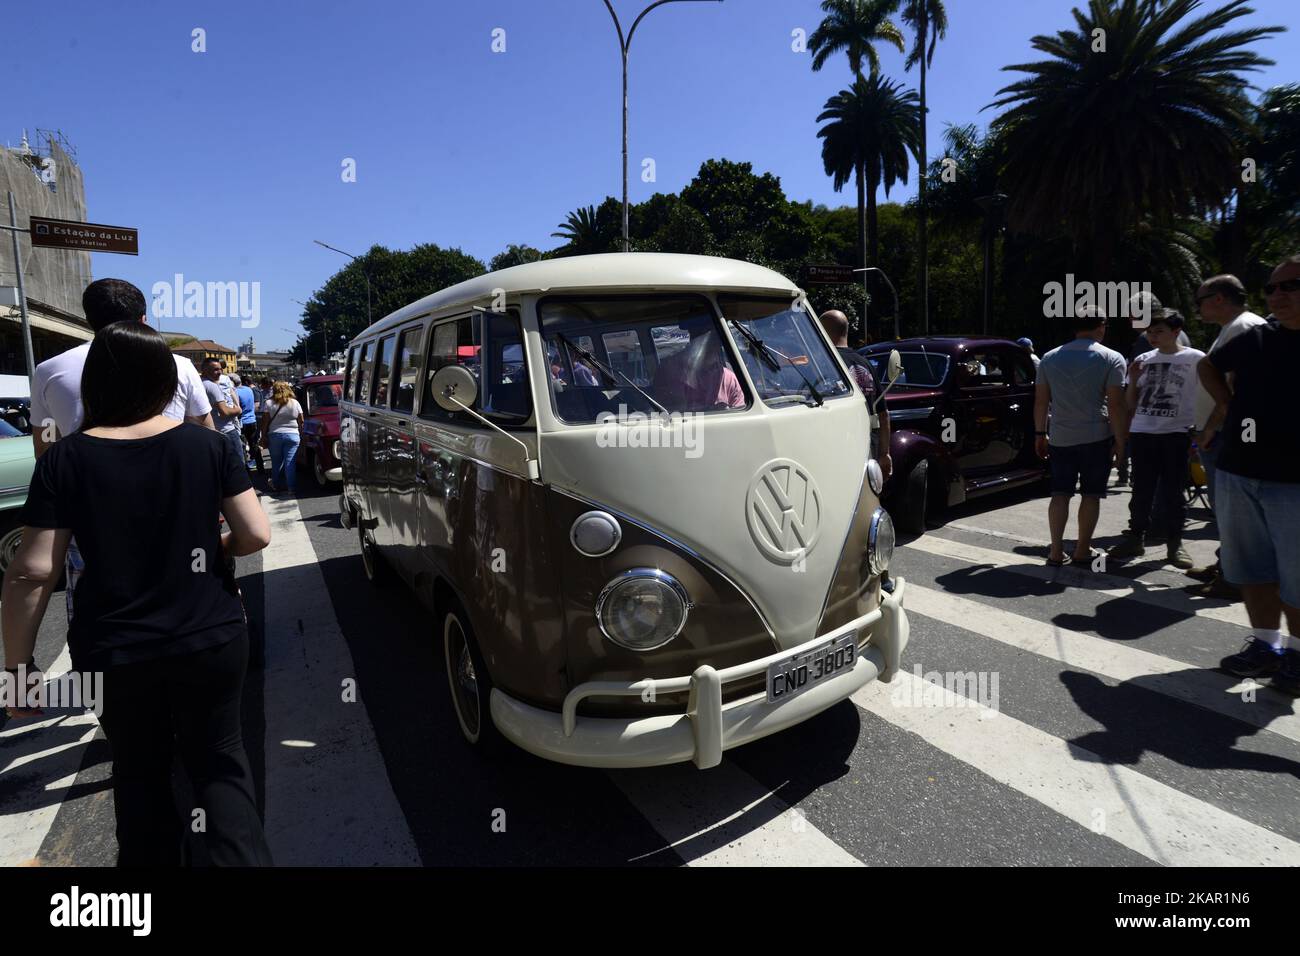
[229, 161]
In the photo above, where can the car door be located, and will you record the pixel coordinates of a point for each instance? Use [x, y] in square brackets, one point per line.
[359, 428]
[985, 444]
[1020, 406]
[436, 465]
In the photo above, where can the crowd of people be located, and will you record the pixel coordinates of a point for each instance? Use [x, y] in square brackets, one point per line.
[1230, 410]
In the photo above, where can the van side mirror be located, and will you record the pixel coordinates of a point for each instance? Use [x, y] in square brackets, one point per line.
[454, 388]
[895, 367]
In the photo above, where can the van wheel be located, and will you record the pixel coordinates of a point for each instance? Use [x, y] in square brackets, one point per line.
[9, 543]
[916, 499]
[371, 563]
[468, 681]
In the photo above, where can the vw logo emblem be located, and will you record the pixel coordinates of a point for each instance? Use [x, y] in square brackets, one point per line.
[783, 509]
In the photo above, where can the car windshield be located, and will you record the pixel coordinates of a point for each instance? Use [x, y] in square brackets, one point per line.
[783, 350]
[621, 354]
[920, 369]
[325, 395]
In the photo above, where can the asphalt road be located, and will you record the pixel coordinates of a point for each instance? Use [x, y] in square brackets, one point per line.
[1094, 730]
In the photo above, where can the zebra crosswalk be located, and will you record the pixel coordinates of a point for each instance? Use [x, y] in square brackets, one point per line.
[1079, 719]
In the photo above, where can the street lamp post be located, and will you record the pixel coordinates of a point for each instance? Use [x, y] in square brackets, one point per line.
[624, 45]
[891, 289]
[365, 274]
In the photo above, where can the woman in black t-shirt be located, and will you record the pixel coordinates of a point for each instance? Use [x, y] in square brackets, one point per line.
[156, 609]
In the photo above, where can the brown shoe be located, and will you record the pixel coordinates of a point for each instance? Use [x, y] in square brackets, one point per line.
[1218, 589]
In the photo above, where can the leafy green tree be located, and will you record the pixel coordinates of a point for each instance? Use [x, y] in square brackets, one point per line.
[396, 279]
[870, 130]
[854, 27]
[1138, 113]
[514, 255]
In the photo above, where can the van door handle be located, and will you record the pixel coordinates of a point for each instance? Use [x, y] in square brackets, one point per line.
[403, 424]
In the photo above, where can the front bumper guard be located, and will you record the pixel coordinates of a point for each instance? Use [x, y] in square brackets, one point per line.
[708, 727]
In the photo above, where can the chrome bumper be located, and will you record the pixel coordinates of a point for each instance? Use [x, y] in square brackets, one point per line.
[708, 727]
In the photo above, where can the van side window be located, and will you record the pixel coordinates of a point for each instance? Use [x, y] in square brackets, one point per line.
[491, 346]
[350, 372]
[383, 366]
[363, 373]
[407, 369]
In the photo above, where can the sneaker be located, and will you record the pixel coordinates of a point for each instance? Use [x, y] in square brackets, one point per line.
[1287, 678]
[1256, 659]
[1130, 547]
[1206, 574]
[1177, 555]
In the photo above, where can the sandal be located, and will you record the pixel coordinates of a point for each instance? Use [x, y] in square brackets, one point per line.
[1054, 563]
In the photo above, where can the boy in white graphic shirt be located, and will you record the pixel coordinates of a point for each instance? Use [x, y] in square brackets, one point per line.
[1161, 399]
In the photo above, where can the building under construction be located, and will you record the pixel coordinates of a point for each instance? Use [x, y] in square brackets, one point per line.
[43, 175]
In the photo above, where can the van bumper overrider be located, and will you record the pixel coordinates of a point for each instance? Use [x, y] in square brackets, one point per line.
[708, 727]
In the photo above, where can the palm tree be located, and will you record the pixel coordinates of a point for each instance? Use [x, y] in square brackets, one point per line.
[930, 21]
[870, 129]
[1098, 141]
[854, 27]
[584, 233]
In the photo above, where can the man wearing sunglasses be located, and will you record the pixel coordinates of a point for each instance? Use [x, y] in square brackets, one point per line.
[1257, 491]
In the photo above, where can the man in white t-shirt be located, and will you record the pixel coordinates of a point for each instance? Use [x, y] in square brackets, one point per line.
[56, 387]
[1161, 399]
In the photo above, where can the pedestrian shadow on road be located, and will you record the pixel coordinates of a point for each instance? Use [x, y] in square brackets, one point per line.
[1140, 718]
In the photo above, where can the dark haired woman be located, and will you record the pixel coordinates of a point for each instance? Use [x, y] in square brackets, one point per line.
[155, 610]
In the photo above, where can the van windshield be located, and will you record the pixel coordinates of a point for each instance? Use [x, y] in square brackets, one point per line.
[784, 351]
[621, 354]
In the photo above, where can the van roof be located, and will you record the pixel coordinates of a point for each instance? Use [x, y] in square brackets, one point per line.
[648, 270]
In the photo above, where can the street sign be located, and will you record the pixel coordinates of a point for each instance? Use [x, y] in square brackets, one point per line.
[87, 236]
[829, 275]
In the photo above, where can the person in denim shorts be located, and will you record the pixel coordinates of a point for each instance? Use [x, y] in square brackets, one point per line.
[1082, 384]
[1257, 482]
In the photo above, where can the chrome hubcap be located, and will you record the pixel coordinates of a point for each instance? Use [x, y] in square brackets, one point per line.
[465, 680]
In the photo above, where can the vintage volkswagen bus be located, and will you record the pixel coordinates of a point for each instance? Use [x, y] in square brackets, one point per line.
[635, 492]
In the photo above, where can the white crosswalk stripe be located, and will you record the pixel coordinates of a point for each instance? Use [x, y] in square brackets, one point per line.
[1110, 585]
[724, 817]
[1149, 817]
[1216, 692]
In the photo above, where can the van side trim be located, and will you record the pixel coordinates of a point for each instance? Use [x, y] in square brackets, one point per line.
[677, 544]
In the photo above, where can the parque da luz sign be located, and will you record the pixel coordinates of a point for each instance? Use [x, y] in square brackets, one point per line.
[86, 236]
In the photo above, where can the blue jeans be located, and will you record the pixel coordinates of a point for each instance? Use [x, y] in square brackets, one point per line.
[284, 456]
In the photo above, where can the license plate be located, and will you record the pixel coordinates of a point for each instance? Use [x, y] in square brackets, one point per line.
[794, 675]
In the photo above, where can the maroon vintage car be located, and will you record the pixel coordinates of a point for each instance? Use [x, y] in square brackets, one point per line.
[962, 413]
[319, 397]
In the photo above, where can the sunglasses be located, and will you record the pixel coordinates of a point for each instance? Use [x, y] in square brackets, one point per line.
[1286, 285]
[1202, 298]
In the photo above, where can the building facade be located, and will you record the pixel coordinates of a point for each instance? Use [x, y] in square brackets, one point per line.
[45, 181]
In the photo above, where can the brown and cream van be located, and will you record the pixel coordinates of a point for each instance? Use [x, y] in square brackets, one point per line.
[635, 493]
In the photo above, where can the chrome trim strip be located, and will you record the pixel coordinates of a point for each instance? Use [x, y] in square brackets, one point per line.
[677, 544]
[14, 490]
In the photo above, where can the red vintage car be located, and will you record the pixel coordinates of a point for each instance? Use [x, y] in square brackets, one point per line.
[319, 397]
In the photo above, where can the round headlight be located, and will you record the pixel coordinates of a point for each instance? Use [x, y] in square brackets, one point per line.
[875, 477]
[642, 609]
[880, 542]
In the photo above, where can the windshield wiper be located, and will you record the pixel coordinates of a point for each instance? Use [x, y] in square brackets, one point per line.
[766, 352]
[612, 374]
